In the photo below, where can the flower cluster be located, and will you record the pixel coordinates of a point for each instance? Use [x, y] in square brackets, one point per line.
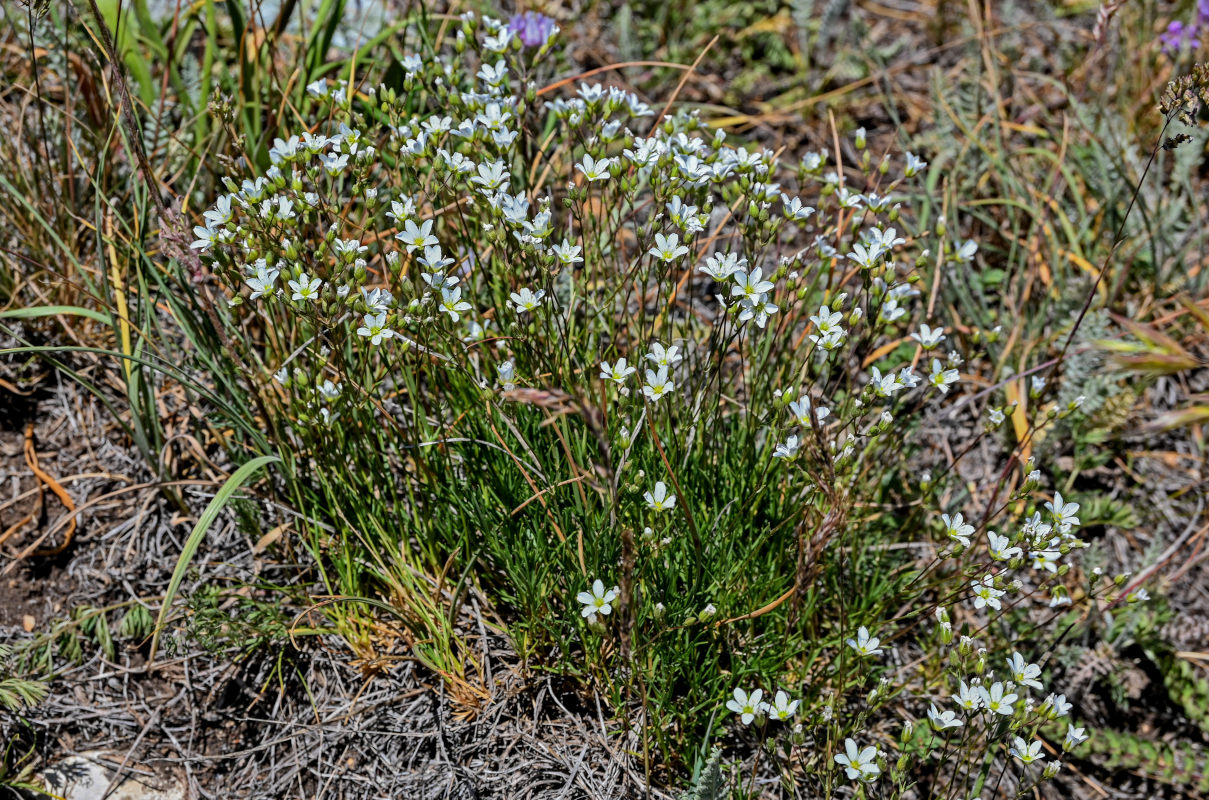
[1179, 36]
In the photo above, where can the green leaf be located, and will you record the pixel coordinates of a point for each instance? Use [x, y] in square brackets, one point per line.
[54, 311]
[204, 522]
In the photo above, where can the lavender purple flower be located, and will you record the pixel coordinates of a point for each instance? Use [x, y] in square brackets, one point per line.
[1180, 36]
[534, 28]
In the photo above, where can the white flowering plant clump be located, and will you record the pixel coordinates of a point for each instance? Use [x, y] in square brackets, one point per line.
[656, 389]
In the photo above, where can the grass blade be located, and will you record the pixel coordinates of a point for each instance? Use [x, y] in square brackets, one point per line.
[204, 522]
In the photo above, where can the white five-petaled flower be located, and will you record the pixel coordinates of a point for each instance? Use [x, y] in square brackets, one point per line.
[597, 601]
[943, 719]
[452, 302]
[789, 449]
[617, 372]
[417, 237]
[668, 248]
[747, 706]
[660, 500]
[374, 328]
[801, 408]
[750, 285]
[305, 288]
[205, 238]
[662, 356]
[928, 337]
[859, 764]
[759, 310]
[999, 547]
[658, 384]
[594, 170]
[567, 253]
[1027, 752]
[720, 266]
[1024, 673]
[985, 593]
[262, 282]
[782, 708]
[527, 300]
[998, 699]
[1062, 513]
[957, 529]
[941, 377]
[968, 698]
[864, 644]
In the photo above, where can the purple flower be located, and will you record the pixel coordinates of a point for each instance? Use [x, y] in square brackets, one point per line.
[1202, 12]
[1179, 36]
[532, 27]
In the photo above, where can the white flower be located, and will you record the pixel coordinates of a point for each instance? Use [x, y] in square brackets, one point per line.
[452, 303]
[801, 407]
[957, 529]
[928, 337]
[416, 237]
[660, 500]
[965, 253]
[793, 208]
[221, 213]
[858, 764]
[985, 593]
[747, 706]
[567, 253]
[1046, 560]
[374, 328]
[968, 698]
[205, 238]
[788, 450]
[943, 719]
[759, 310]
[721, 266]
[1024, 673]
[662, 356]
[914, 166]
[1026, 752]
[657, 384]
[1063, 514]
[827, 321]
[941, 377]
[1057, 705]
[864, 644]
[1074, 737]
[617, 372]
[507, 373]
[782, 708]
[305, 288]
[997, 700]
[750, 285]
[999, 549]
[594, 170]
[668, 248]
[1139, 595]
[262, 282]
[527, 300]
[866, 258]
[597, 601]
[328, 390]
